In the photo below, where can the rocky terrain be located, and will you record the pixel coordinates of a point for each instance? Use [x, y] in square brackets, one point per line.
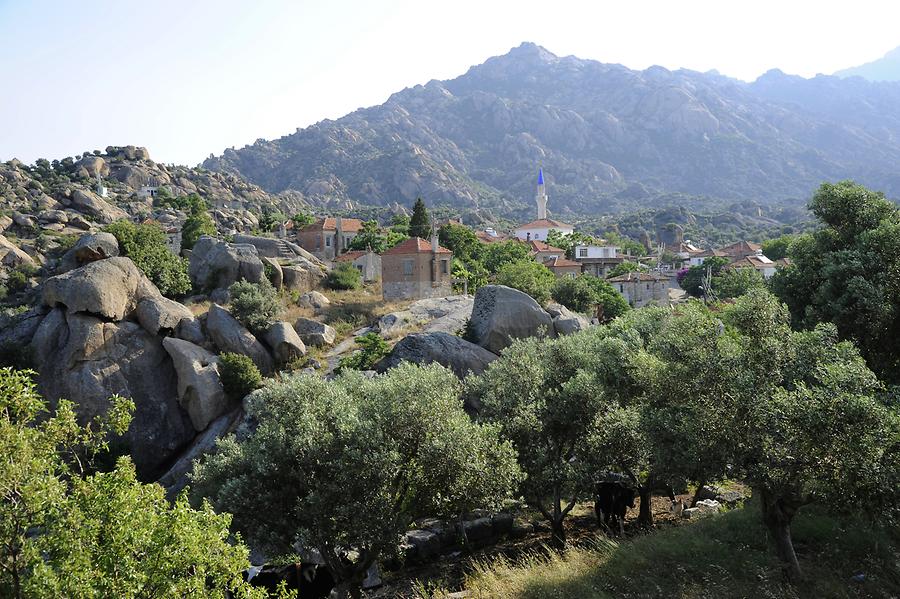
[886, 68]
[609, 138]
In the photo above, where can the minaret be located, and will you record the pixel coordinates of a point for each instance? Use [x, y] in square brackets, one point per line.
[541, 196]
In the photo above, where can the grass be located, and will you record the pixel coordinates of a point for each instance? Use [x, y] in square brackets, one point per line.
[724, 556]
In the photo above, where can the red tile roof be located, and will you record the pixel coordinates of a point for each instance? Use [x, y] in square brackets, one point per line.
[559, 262]
[485, 237]
[350, 256]
[349, 225]
[545, 223]
[540, 246]
[414, 245]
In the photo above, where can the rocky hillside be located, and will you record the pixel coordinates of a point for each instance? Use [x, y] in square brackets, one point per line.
[886, 68]
[609, 138]
[61, 196]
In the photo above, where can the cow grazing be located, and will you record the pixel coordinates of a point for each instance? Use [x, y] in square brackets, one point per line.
[611, 502]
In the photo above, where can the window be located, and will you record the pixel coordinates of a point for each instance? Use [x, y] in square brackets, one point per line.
[408, 267]
[527, 236]
[328, 242]
[582, 252]
[443, 267]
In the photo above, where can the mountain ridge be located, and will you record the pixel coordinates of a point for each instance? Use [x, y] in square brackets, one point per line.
[601, 131]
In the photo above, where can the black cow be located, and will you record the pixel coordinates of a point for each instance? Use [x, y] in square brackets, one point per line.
[313, 581]
[611, 501]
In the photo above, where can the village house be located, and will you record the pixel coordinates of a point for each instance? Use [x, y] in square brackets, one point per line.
[416, 269]
[641, 289]
[542, 251]
[329, 237]
[763, 265]
[597, 260]
[368, 263]
[563, 267]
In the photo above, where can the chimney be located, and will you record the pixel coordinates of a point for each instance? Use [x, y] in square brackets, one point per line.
[338, 236]
[434, 240]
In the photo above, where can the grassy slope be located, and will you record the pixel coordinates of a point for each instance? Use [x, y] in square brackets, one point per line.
[725, 556]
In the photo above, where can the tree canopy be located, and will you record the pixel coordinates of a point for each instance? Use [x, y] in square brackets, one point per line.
[420, 222]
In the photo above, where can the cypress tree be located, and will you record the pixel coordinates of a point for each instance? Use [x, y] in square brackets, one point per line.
[420, 223]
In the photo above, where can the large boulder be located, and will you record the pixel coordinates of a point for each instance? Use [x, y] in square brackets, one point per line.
[12, 256]
[87, 360]
[94, 165]
[301, 276]
[200, 390]
[17, 331]
[500, 315]
[566, 322]
[432, 315]
[285, 343]
[450, 351]
[313, 332]
[162, 316]
[109, 288]
[276, 276]
[92, 204]
[215, 264]
[230, 336]
[90, 248]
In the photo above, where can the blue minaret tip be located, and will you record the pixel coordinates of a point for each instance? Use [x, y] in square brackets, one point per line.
[540, 176]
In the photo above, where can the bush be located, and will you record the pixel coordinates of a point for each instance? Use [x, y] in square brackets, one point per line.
[16, 281]
[146, 246]
[528, 277]
[372, 349]
[586, 291]
[254, 304]
[196, 226]
[344, 276]
[239, 375]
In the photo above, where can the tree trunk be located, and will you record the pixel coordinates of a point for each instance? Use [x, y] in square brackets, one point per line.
[777, 516]
[558, 534]
[696, 496]
[645, 513]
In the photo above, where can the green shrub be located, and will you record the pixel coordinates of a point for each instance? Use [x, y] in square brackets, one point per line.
[3, 291]
[344, 276]
[528, 277]
[585, 291]
[146, 246]
[17, 280]
[254, 304]
[372, 349]
[239, 375]
[196, 226]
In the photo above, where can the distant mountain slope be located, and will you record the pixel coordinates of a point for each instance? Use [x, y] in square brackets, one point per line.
[886, 68]
[609, 138]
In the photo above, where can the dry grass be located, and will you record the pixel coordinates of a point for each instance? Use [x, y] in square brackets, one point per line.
[199, 308]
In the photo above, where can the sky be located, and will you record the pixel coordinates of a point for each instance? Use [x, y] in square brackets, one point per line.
[190, 78]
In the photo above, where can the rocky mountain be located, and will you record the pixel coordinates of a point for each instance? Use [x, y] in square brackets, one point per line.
[886, 68]
[609, 139]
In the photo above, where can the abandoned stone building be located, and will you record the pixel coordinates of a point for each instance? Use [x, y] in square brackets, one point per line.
[415, 269]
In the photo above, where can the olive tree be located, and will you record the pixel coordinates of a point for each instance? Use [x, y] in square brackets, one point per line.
[67, 533]
[813, 428]
[345, 466]
[556, 400]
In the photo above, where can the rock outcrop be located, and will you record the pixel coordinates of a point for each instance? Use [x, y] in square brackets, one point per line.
[200, 390]
[314, 300]
[566, 322]
[216, 264]
[87, 360]
[439, 314]
[109, 288]
[500, 315]
[90, 248]
[12, 255]
[162, 316]
[230, 336]
[450, 351]
[90, 203]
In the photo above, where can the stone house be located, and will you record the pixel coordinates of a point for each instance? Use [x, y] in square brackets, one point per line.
[368, 263]
[597, 260]
[416, 269]
[641, 289]
[328, 237]
[542, 252]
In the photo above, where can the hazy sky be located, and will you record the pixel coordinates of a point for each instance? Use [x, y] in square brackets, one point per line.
[193, 77]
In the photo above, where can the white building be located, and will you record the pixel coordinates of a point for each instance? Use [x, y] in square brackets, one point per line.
[596, 251]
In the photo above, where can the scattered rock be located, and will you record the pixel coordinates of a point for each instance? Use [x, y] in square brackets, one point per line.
[301, 278]
[566, 322]
[109, 288]
[200, 390]
[53, 216]
[230, 336]
[501, 315]
[450, 351]
[25, 221]
[314, 299]
[285, 343]
[5, 222]
[313, 332]
[162, 316]
[12, 256]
